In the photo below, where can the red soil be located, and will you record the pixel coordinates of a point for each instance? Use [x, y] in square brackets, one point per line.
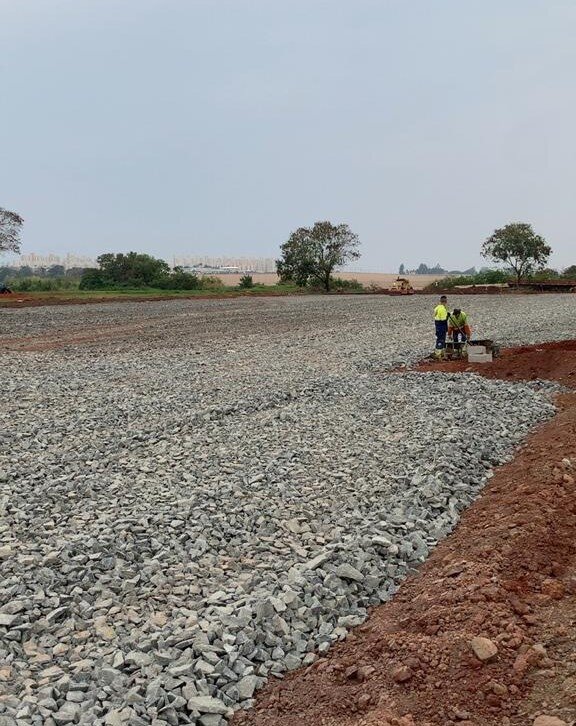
[553, 361]
[23, 300]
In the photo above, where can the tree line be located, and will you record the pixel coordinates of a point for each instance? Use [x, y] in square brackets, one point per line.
[309, 258]
[44, 273]
[137, 270]
[315, 253]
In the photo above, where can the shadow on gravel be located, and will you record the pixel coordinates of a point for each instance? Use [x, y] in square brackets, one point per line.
[483, 634]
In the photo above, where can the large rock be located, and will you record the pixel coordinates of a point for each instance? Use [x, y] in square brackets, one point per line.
[483, 648]
[207, 704]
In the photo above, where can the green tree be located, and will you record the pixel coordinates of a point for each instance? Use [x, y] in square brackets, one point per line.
[179, 280]
[56, 271]
[74, 271]
[311, 255]
[518, 247]
[132, 269]
[93, 279]
[570, 272]
[10, 228]
[401, 269]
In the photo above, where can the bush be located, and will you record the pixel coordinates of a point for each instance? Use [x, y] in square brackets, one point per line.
[22, 285]
[547, 274]
[485, 277]
[178, 280]
[132, 269]
[210, 283]
[246, 282]
[338, 283]
[39, 284]
[93, 279]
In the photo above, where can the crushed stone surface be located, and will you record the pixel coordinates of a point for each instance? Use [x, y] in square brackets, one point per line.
[196, 497]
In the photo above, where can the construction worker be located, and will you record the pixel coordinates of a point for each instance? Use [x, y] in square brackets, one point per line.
[441, 323]
[458, 329]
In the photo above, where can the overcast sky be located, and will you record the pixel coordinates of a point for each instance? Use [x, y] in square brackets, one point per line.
[219, 126]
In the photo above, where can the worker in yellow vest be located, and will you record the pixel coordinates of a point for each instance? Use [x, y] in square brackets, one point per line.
[458, 330]
[441, 324]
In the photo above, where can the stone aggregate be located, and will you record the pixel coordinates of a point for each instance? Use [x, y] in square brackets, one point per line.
[198, 496]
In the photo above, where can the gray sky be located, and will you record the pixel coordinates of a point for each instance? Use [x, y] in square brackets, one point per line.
[219, 126]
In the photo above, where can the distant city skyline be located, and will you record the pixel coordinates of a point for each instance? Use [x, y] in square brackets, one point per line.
[71, 260]
[244, 263]
[35, 260]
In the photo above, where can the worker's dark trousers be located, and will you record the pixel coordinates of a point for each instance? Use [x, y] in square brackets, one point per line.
[459, 337]
[441, 333]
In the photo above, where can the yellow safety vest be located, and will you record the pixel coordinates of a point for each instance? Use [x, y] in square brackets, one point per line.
[440, 312]
[459, 321]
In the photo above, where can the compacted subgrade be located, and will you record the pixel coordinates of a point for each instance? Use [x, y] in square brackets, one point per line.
[484, 633]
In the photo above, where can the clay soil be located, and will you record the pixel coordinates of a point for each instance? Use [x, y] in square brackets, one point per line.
[35, 300]
[507, 573]
[554, 361]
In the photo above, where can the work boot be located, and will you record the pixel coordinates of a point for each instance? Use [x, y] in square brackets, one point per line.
[438, 354]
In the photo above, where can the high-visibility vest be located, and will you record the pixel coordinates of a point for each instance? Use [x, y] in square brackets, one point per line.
[441, 312]
[459, 321]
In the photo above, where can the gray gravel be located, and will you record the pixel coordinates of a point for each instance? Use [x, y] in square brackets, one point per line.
[197, 496]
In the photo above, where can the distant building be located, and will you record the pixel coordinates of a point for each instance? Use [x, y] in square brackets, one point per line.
[33, 260]
[207, 270]
[224, 265]
[201, 264]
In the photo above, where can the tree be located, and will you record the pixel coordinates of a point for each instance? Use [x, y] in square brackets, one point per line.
[74, 271]
[137, 270]
[93, 279]
[10, 227]
[402, 269]
[132, 268]
[518, 247]
[570, 272]
[423, 269]
[56, 271]
[312, 255]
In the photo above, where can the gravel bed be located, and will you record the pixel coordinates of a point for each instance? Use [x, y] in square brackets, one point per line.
[197, 496]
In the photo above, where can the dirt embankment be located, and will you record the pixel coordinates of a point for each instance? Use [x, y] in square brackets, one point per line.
[506, 577]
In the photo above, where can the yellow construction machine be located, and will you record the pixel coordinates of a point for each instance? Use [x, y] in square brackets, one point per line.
[401, 286]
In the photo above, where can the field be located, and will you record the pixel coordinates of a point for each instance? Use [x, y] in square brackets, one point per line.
[198, 496]
[264, 285]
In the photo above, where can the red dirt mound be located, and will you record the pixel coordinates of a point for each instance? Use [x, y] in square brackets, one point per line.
[483, 634]
[552, 361]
